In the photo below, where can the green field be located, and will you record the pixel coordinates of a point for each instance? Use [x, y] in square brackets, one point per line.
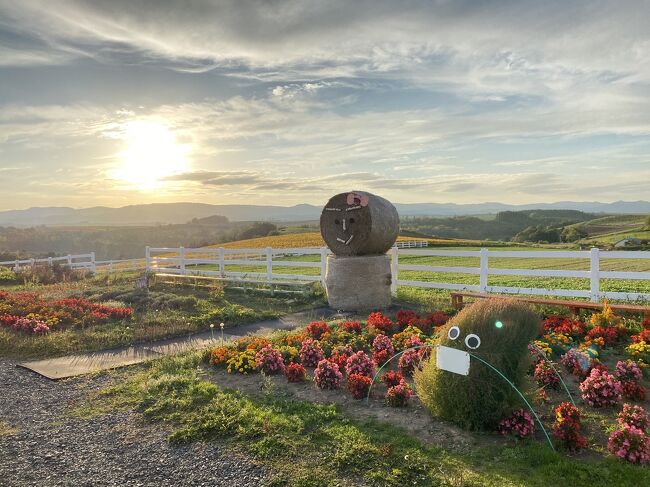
[615, 285]
[611, 229]
[612, 238]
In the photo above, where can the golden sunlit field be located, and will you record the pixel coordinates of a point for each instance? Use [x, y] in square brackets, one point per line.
[314, 239]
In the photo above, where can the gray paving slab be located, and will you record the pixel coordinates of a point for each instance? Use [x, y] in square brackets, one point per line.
[74, 365]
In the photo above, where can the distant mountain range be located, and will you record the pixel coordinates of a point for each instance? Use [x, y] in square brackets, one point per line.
[164, 213]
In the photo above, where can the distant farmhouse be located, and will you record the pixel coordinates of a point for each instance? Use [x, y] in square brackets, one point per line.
[628, 242]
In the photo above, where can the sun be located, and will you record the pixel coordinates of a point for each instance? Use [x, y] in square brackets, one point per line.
[151, 153]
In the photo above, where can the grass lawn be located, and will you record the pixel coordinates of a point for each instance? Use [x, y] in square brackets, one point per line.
[308, 444]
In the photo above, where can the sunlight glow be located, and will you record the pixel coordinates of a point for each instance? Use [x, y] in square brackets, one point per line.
[151, 154]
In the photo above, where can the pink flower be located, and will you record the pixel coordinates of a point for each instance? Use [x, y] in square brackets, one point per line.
[601, 389]
[360, 363]
[631, 444]
[327, 375]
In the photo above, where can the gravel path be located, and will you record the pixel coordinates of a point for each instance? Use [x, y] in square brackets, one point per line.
[51, 448]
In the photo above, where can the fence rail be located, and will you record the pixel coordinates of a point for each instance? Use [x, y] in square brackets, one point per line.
[410, 244]
[77, 261]
[262, 264]
[215, 262]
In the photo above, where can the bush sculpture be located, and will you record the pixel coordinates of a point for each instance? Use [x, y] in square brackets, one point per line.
[498, 331]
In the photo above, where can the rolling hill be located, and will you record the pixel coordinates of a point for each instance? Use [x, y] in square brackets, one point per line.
[611, 229]
[175, 213]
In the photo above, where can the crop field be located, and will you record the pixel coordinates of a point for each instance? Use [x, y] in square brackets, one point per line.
[611, 229]
[612, 238]
[314, 239]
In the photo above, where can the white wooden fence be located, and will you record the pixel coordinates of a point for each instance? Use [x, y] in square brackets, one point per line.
[263, 262]
[594, 274]
[78, 261]
[411, 244]
[214, 262]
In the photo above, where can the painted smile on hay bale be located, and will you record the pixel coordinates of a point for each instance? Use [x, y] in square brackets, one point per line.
[358, 223]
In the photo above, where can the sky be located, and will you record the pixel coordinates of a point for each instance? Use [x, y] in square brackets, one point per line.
[285, 102]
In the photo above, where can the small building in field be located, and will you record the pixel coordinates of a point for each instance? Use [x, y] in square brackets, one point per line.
[628, 242]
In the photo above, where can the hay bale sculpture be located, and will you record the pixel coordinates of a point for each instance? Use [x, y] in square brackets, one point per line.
[474, 396]
[359, 228]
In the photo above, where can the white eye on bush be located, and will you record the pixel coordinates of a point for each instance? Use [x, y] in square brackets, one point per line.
[453, 333]
[472, 341]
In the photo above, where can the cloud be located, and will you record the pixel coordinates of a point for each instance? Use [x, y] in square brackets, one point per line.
[486, 46]
[418, 100]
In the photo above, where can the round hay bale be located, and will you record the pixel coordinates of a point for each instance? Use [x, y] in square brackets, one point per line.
[359, 223]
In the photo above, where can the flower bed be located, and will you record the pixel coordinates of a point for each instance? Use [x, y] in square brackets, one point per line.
[28, 312]
[601, 358]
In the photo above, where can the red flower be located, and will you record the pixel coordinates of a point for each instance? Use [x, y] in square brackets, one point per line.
[359, 385]
[381, 357]
[351, 326]
[316, 329]
[392, 378]
[610, 334]
[295, 372]
[437, 318]
[565, 326]
[399, 395]
[405, 317]
[380, 322]
[567, 427]
[340, 356]
[644, 336]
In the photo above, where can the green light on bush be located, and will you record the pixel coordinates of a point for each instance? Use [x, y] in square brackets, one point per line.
[499, 324]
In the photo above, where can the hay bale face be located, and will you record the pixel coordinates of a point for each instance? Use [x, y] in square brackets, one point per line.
[498, 331]
[359, 223]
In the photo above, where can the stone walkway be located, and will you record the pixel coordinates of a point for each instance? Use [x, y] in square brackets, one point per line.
[74, 365]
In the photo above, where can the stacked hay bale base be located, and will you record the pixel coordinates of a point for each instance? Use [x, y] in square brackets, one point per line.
[359, 282]
[359, 228]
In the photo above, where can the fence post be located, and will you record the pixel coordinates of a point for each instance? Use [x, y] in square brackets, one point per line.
[181, 259]
[93, 265]
[49, 261]
[595, 275]
[323, 265]
[394, 261]
[222, 262]
[269, 263]
[147, 258]
[483, 280]
[32, 262]
[69, 261]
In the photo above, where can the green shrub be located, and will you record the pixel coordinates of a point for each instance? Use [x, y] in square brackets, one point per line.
[480, 399]
[7, 276]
